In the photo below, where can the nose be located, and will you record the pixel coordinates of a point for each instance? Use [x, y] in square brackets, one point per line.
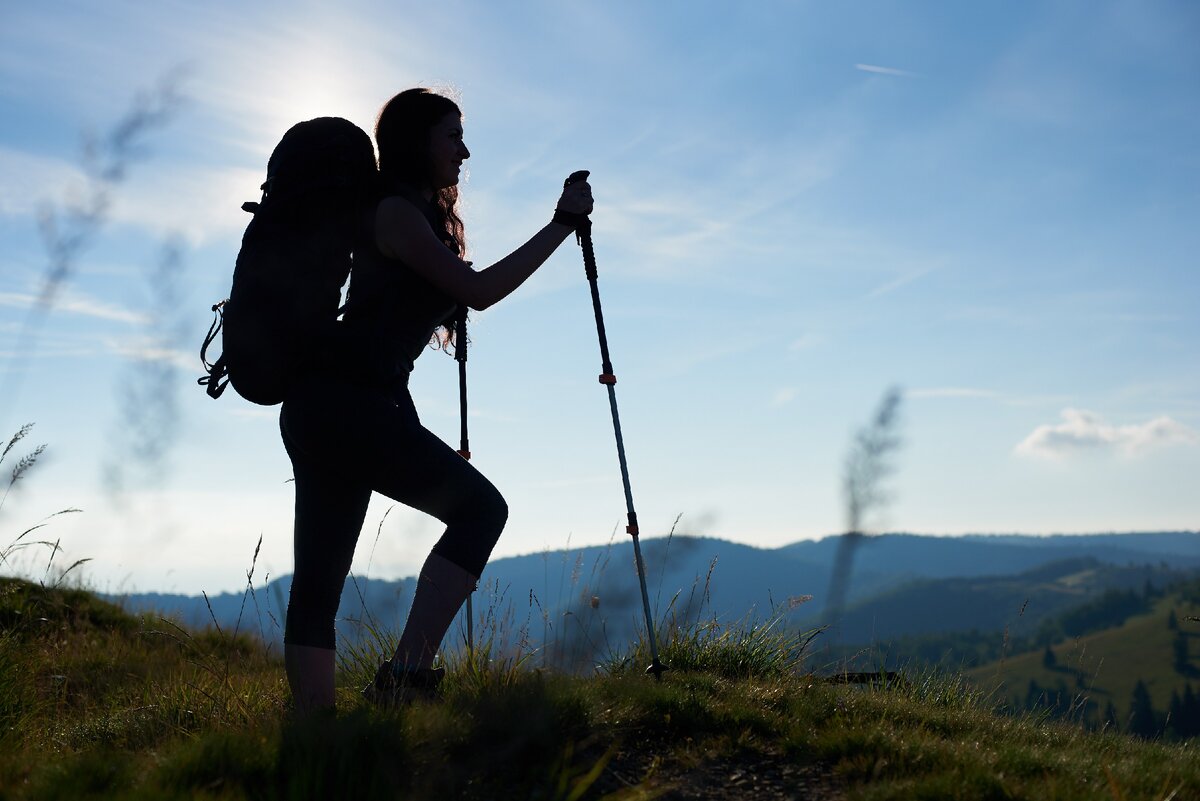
[462, 150]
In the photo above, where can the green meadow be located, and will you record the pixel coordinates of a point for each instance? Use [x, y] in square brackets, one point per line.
[97, 703]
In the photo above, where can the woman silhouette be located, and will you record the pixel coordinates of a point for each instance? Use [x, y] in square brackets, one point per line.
[358, 431]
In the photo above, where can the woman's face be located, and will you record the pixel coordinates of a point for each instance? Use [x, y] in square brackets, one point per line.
[447, 151]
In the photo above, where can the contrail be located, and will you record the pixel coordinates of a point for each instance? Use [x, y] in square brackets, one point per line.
[885, 70]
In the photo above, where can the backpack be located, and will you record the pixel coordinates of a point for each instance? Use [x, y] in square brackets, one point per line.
[279, 322]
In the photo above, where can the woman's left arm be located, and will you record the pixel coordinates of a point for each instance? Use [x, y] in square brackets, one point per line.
[402, 233]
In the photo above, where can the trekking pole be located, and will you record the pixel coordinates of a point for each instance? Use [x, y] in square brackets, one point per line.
[583, 235]
[464, 447]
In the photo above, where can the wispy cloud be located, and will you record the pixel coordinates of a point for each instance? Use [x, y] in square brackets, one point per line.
[885, 70]
[148, 350]
[566, 483]
[805, 341]
[899, 281]
[950, 392]
[75, 303]
[784, 396]
[47, 352]
[199, 203]
[30, 179]
[679, 364]
[1082, 431]
[254, 413]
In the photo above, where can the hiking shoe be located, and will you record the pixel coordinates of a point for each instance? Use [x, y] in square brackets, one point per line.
[390, 688]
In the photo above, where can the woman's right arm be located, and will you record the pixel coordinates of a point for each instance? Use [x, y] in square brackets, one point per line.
[403, 233]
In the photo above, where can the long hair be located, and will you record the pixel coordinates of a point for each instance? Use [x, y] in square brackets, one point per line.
[402, 136]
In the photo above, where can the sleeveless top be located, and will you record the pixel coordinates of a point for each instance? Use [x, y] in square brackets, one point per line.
[391, 312]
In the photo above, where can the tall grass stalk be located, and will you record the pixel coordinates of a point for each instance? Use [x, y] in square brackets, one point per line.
[20, 543]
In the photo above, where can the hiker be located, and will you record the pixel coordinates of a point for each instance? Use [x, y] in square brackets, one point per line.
[356, 430]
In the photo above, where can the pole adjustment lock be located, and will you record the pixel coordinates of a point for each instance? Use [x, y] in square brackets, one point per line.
[464, 454]
[608, 378]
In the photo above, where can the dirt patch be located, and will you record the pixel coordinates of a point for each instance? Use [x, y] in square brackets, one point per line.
[750, 774]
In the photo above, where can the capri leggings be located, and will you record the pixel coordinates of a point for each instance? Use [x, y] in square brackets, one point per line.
[345, 441]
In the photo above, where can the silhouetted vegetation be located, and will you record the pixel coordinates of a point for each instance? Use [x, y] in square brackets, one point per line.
[868, 463]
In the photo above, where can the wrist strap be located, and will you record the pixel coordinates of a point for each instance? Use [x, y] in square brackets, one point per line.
[568, 218]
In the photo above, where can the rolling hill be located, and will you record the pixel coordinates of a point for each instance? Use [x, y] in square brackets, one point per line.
[1105, 666]
[1017, 603]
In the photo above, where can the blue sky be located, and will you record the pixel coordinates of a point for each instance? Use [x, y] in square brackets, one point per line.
[991, 205]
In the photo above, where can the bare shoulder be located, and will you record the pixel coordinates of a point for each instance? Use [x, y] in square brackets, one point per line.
[398, 226]
[398, 211]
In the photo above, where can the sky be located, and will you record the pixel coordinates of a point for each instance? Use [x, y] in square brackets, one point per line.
[799, 205]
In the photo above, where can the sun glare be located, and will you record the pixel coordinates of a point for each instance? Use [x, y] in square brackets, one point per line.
[324, 87]
[296, 77]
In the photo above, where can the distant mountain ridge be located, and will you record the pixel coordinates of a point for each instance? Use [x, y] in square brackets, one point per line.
[998, 554]
[744, 580]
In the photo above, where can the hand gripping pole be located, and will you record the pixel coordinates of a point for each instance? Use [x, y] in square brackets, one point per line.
[583, 234]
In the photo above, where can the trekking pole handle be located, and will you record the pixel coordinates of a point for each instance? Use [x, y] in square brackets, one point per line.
[576, 177]
[581, 223]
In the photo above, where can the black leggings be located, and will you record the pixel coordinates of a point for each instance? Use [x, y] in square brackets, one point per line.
[346, 440]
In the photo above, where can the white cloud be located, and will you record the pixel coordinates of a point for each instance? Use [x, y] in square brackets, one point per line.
[1081, 430]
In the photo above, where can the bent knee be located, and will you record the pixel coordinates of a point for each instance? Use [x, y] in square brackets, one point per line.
[485, 510]
[498, 510]
[310, 622]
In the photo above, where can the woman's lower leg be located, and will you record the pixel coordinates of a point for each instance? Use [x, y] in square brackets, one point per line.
[442, 588]
[310, 674]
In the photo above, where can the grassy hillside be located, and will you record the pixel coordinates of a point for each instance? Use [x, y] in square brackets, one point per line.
[95, 703]
[1105, 666]
[1016, 603]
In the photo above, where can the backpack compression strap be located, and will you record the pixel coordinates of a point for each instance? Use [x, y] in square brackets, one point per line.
[213, 383]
